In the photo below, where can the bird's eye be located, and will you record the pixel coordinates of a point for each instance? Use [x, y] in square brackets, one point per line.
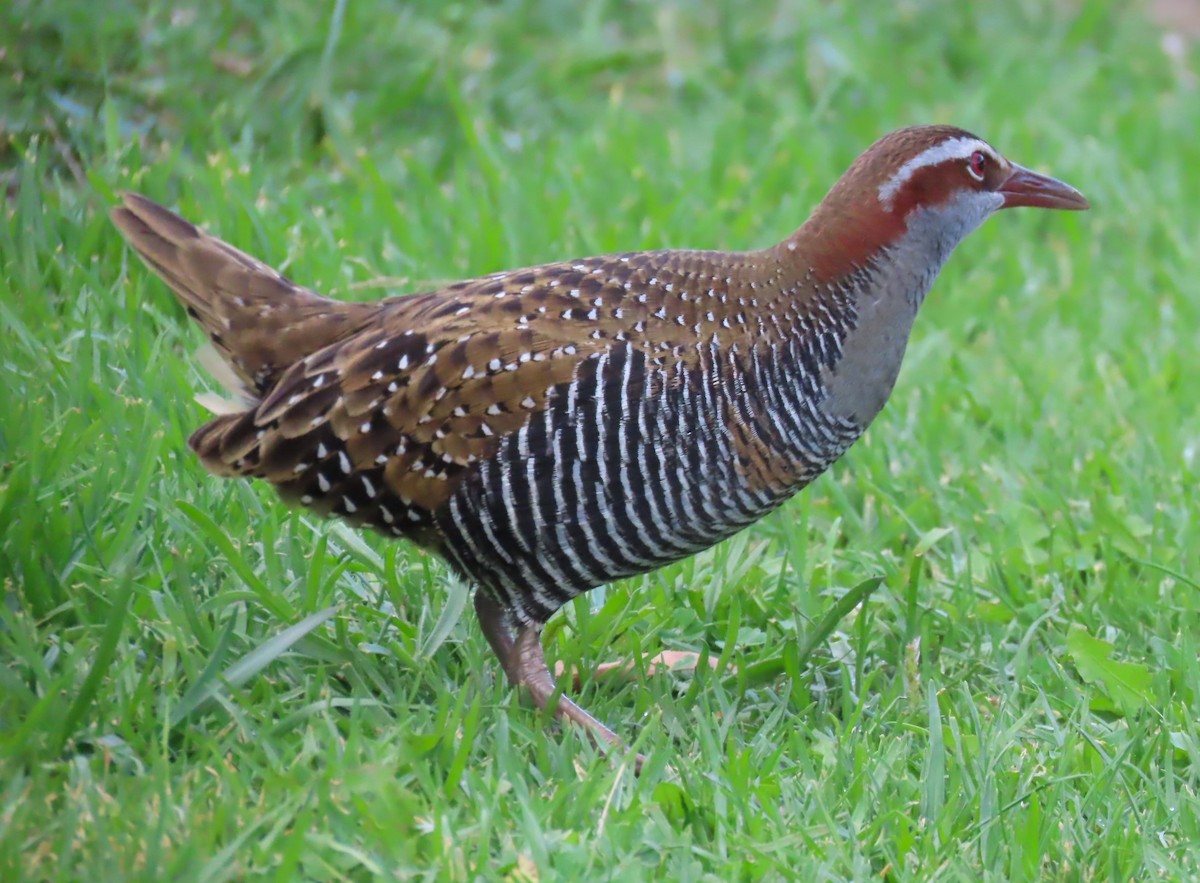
[976, 165]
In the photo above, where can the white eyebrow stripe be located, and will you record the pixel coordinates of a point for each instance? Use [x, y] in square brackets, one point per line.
[951, 148]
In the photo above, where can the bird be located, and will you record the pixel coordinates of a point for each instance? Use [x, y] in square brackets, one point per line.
[551, 429]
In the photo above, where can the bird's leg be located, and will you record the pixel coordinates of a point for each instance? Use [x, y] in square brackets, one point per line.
[496, 629]
[533, 673]
[525, 664]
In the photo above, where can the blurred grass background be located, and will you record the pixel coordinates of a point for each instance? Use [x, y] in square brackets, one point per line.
[196, 683]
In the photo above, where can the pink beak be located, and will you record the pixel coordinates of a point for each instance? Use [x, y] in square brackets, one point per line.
[1025, 187]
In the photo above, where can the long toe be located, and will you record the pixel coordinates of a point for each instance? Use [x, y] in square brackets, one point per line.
[530, 664]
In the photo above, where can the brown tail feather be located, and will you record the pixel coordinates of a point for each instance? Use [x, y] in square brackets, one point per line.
[227, 445]
[257, 320]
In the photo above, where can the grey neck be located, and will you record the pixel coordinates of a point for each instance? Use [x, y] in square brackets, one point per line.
[859, 384]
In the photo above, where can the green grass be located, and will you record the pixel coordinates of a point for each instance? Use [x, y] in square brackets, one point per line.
[196, 683]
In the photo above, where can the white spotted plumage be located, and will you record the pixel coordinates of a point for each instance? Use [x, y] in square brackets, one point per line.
[554, 428]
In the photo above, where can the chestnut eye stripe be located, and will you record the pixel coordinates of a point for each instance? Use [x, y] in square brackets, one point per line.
[960, 148]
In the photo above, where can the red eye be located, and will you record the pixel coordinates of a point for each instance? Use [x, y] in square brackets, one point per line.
[977, 164]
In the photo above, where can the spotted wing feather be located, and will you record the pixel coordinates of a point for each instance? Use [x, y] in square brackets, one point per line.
[382, 415]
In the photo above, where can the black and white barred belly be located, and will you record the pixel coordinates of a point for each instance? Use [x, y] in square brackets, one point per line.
[632, 466]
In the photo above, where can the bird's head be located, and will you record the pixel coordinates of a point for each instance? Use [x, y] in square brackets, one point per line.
[931, 166]
[940, 180]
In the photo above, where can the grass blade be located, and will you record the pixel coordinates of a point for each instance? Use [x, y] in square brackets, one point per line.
[249, 665]
[769, 669]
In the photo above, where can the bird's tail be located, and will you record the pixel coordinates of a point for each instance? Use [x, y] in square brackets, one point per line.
[257, 321]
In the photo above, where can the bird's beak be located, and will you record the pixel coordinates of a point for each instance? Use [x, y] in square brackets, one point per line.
[1025, 187]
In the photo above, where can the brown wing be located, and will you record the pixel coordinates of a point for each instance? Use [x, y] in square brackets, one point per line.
[381, 426]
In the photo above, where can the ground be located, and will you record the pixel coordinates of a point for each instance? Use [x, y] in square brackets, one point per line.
[198, 683]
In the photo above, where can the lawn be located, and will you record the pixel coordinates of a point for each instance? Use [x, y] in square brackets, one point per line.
[197, 683]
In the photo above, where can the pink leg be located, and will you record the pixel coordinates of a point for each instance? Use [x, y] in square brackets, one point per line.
[525, 664]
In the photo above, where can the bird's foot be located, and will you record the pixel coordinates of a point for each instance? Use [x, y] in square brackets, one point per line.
[525, 664]
[674, 661]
